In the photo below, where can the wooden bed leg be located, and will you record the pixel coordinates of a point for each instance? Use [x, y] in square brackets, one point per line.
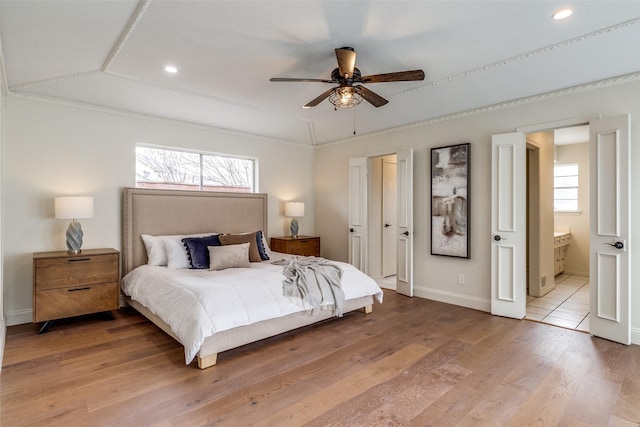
[368, 309]
[207, 361]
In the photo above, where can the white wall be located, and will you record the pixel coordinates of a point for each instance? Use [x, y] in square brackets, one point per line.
[52, 150]
[577, 253]
[3, 324]
[436, 277]
[543, 282]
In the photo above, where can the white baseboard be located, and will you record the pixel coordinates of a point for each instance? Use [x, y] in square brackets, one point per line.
[453, 298]
[635, 336]
[19, 317]
[576, 273]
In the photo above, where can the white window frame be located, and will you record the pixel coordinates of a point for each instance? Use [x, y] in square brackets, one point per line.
[255, 186]
[577, 188]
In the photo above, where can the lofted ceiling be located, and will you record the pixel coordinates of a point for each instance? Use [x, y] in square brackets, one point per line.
[476, 54]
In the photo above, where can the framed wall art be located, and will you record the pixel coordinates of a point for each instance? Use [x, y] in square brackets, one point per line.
[450, 201]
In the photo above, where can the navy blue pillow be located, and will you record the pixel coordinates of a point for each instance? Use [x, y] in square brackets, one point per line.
[197, 251]
[261, 248]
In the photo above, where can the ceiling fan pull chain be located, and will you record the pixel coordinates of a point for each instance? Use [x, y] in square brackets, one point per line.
[354, 121]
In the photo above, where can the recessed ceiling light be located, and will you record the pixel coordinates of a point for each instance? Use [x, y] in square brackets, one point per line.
[562, 14]
[170, 69]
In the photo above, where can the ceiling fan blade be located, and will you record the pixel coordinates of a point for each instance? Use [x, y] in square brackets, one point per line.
[371, 97]
[346, 57]
[400, 76]
[318, 100]
[289, 79]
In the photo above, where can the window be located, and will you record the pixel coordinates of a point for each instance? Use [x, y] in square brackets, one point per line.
[565, 188]
[186, 170]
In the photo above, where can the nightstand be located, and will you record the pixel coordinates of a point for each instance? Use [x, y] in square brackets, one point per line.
[66, 285]
[301, 245]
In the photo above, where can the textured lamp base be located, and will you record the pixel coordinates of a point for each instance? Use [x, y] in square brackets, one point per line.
[293, 229]
[74, 237]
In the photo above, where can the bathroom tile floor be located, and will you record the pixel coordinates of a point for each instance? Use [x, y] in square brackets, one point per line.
[567, 305]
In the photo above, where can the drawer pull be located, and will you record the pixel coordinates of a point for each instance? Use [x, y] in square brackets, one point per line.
[79, 289]
[79, 259]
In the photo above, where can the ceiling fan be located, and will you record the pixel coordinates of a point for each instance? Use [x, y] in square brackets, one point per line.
[350, 91]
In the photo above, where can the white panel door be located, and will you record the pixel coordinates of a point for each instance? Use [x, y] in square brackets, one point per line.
[389, 218]
[508, 225]
[609, 224]
[358, 213]
[404, 170]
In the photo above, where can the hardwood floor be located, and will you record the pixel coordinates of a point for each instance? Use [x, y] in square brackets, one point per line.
[412, 362]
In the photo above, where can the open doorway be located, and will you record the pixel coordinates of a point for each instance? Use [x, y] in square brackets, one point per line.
[383, 220]
[558, 285]
[360, 220]
[610, 224]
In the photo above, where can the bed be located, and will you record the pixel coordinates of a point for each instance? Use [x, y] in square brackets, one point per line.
[159, 297]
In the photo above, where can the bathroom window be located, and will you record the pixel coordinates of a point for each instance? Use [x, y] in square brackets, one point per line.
[565, 188]
[190, 170]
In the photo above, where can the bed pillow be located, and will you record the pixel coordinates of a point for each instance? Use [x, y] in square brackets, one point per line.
[155, 250]
[229, 256]
[234, 239]
[262, 248]
[156, 247]
[176, 252]
[197, 252]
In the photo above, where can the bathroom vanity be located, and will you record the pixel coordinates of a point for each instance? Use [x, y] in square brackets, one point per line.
[560, 242]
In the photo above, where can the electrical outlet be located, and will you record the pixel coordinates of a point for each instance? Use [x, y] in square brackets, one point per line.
[461, 279]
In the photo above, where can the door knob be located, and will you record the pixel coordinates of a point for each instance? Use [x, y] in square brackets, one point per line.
[406, 233]
[617, 245]
[498, 237]
[387, 225]
[351, 230]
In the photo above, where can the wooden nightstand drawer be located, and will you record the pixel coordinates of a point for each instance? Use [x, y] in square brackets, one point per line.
[54, 273]
[303, 245]
[74, 301]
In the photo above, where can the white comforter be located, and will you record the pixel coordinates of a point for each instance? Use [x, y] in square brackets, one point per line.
[198, 303]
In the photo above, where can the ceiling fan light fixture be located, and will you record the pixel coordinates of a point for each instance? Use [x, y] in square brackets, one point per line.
[344, 97]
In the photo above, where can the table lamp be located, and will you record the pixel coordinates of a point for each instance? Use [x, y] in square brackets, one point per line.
[74, 207]
[294, 210]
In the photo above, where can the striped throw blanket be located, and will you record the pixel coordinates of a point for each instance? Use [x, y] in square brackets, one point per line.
[315, 281]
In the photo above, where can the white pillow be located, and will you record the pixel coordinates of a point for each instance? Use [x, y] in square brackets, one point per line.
[155, 250]
[158, 254]
[229, 256]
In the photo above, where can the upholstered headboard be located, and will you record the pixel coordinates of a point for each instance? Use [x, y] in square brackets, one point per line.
[165, 212]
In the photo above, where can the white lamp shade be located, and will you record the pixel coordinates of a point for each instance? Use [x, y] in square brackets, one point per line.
[74, 207]
[294, 209]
